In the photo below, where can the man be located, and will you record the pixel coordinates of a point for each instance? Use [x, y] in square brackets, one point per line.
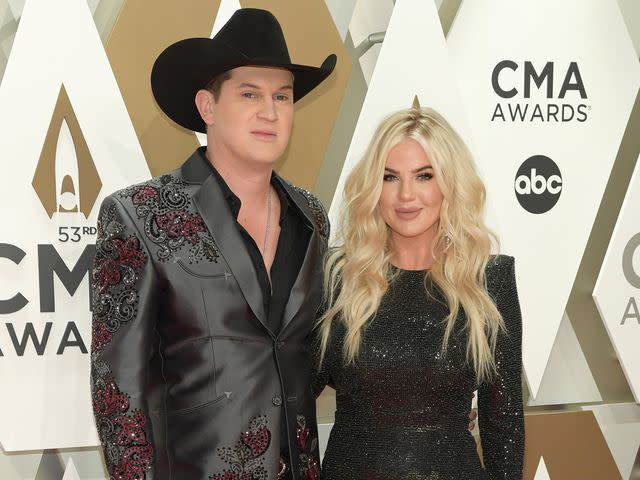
[207, 279]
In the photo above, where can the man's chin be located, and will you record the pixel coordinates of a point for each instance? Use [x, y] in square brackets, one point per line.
[264, 160]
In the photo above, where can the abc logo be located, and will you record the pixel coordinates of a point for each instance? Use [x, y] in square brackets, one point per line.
[538, 184]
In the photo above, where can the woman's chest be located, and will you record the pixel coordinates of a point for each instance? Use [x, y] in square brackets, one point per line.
[402, 349]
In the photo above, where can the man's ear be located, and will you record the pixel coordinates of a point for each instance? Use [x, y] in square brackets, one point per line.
[205, 104]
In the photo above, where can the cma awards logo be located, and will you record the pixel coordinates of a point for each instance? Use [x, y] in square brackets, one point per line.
[520, 87]
[538, 184]
[632, 274]
[66, 181]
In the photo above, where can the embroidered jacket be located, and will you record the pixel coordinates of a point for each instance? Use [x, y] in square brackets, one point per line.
[187, 380]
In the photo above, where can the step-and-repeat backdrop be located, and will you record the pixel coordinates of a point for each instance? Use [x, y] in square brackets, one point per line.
[545, 93]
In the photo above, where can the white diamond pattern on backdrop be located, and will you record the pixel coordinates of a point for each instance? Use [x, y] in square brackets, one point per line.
[225, 12]
[341, 12]
[18, 466]
[12, 10]
[70, 472]
[571, 132]
[631, 12]
[541, 472]
[369, 16]
[73, 57]
[396, 81]
[8, 26]
[567, 378]
[620, 426]
[617, 290]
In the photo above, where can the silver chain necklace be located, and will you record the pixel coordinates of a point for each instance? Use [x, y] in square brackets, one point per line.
[266, 228]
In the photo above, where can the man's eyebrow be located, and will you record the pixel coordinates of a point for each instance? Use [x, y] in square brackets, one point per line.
[417, 170]
[288, 86]
[248, 85]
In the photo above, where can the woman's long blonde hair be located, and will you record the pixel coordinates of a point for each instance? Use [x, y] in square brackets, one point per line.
[357, 272]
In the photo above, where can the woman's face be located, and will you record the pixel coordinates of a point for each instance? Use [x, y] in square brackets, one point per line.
[411, 198]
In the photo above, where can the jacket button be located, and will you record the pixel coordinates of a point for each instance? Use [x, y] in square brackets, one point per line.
[277, 400]
[279, 344]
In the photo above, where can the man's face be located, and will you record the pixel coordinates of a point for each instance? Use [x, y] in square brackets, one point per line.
[252, 119]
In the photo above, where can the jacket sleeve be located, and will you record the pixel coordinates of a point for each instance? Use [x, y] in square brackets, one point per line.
[320, 376]
[123, 292]
[500, 411]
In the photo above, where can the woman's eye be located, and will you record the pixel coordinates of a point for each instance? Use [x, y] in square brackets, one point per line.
[388, 177]
[425, 176]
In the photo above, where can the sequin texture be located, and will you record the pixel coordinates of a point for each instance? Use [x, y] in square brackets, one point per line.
[309, 465]
[319, 213]
[171, 221]
[246, 458]
[118, 262]
[402, 408]
[128, 453]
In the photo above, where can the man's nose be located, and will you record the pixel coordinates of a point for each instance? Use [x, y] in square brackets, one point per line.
[268, 110]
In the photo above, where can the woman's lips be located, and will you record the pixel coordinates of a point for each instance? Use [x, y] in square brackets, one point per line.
[408, 213]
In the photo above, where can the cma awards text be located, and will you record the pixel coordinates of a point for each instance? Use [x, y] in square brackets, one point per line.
[38, 334]
[505, 83]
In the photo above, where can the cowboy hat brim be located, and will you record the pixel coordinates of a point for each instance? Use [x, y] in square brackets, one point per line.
[189, 65]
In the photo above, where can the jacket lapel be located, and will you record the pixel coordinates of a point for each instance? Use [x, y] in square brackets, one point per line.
[306, 276]
[211, 204]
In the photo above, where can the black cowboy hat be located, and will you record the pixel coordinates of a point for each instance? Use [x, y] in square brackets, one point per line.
[250, 37]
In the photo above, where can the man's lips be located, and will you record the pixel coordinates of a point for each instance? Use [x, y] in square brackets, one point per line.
[264, 134]
[408, 213]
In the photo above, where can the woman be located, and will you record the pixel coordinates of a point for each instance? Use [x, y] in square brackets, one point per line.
[418, 316]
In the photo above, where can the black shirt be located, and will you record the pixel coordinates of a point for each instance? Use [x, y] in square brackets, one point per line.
[295, 234]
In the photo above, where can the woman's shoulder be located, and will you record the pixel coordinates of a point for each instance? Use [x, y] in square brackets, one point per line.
[501, 284]
[500, 270]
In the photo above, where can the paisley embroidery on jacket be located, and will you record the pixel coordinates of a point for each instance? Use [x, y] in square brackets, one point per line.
[170, 221]
[319, 213]
[309, 466]
[128, 453]
[117, 265]
[246, 457]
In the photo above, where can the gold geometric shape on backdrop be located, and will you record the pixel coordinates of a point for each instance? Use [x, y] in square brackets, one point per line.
[142, 31]
[44, 178]
[572, 445]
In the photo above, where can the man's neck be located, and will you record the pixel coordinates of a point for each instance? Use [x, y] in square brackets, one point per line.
[249, 182]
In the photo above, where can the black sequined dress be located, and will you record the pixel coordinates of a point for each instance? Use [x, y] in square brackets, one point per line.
[402, 408]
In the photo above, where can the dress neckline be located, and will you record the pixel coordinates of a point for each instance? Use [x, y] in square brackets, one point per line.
[403, 270]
